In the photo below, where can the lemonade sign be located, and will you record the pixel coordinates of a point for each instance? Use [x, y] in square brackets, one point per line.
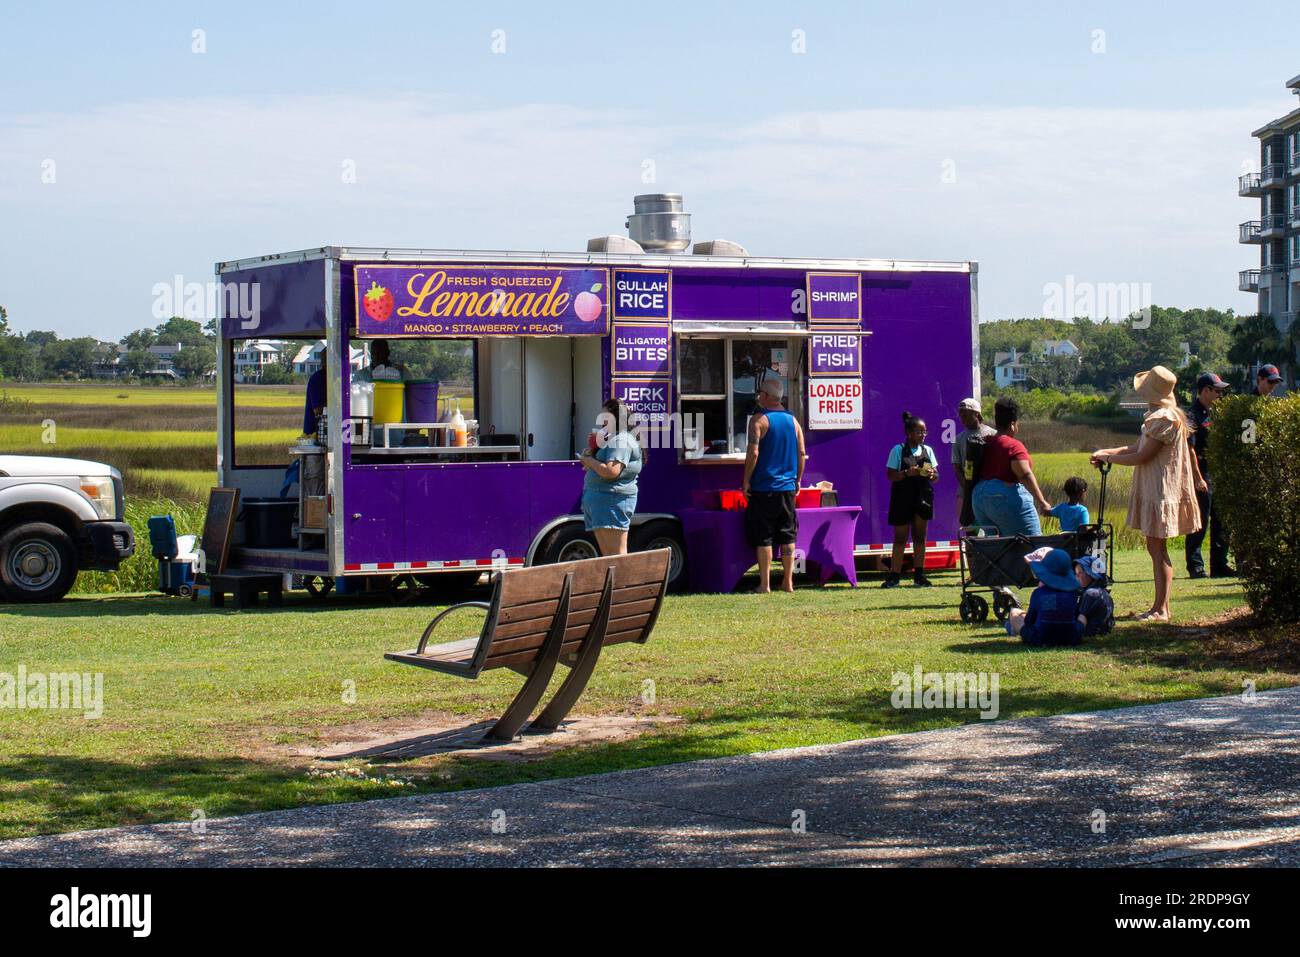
[448, 300]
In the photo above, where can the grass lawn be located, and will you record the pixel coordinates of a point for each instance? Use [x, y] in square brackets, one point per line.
[203, 708]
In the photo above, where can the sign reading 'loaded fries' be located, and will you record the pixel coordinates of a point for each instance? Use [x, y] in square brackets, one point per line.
[834, 403]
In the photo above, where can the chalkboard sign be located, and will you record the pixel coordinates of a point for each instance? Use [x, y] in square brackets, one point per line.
[219, 528]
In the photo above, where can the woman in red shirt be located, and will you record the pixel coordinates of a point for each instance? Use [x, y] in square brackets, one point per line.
[1007, 493]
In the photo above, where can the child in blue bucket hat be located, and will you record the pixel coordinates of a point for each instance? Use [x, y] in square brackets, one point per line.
[1053, 615]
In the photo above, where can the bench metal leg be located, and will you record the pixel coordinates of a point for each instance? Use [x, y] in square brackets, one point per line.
[525, 701]
[580, 673]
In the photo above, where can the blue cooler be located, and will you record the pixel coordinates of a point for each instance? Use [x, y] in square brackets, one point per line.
[176, 557]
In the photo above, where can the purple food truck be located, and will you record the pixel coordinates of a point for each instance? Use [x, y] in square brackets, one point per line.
[390, 488]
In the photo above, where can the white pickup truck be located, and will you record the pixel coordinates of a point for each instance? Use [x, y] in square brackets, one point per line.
[57, 517]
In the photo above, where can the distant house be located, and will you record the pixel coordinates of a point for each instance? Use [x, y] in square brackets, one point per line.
[164, 355]
[1056, 347]
[308, 359]
[254, 358]
[108, 360]
[1009, 368]
[1015, 368]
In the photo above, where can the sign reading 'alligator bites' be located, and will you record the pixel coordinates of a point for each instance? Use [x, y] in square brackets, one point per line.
[447, 300]
[641, 349]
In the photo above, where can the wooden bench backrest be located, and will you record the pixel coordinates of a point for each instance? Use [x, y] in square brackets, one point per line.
[525, 602]
[640, 580]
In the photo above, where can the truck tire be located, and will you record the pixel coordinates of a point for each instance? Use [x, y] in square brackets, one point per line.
[566, 544]
[663, 533]
[38, 562]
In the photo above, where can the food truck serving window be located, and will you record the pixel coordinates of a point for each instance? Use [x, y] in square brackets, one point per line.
[720, 377]
[529, 398]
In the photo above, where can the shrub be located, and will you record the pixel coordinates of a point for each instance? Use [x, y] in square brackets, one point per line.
[1253, 448]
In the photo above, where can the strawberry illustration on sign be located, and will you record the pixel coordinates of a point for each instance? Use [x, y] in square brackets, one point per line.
[587, 306]
[378, 302]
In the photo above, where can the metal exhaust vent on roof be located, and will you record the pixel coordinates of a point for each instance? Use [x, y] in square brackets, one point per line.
[613, 244]
[719, 247]
[659, 224]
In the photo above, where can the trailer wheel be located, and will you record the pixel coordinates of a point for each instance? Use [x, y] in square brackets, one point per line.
[38, 562]
[568, 543]
[318, 588]
[662, 533]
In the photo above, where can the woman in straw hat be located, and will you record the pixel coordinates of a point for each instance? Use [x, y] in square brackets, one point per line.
[1162, 502]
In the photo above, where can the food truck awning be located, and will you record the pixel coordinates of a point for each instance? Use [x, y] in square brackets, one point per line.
[696, 327]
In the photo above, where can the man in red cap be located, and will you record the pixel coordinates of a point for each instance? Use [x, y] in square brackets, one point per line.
[1209, 387]
[1266, 380]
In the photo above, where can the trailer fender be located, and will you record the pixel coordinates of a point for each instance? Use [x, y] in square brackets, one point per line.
[530, 558]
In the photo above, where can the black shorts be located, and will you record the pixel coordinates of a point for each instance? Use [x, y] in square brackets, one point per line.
[910, 498]
[770, 519]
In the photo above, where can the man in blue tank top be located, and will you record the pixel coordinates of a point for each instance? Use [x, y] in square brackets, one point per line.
[774, 464]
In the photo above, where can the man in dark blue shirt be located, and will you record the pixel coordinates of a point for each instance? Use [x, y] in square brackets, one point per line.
[1209, 387]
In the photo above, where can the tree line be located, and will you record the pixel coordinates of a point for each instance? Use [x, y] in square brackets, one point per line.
[1188, 341]
[40, 355]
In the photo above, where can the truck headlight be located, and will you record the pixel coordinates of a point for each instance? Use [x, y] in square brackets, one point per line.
[99, 489]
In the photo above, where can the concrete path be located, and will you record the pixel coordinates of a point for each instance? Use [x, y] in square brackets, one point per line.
[1209, 782]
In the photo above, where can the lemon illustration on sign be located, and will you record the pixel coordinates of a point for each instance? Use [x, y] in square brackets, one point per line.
[588, 306]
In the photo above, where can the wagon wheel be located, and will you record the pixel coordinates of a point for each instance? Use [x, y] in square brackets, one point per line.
[318, 588]
[974, 609]
[1003, 602]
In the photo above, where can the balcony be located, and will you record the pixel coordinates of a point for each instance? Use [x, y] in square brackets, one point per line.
[1248, 185]
[1272, 226]
[1248, 232]
[1295, 215]
[1272, 176]
[1248, 280]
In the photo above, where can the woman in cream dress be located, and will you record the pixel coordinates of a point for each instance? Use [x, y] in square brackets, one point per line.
[1162, 502]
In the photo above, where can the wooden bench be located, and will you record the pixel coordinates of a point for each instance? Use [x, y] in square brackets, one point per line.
[244, 586]
[549, 614]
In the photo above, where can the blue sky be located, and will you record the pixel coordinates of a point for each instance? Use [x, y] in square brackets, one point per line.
[1011, 134]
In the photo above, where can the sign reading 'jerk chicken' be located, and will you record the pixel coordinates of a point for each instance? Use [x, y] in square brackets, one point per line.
[443, 300]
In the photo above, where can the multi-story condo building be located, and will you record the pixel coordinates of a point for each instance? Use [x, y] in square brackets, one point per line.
[1277, 231]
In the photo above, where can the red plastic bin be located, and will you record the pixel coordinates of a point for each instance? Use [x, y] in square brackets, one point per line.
[808, 498]
[732, 500]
